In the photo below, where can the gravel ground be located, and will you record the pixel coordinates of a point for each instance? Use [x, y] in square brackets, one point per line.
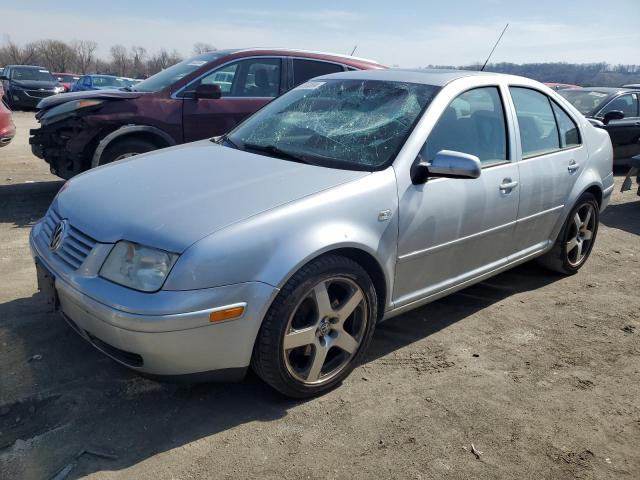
[538, 372]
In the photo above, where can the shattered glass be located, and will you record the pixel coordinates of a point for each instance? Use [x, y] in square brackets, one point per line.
[352, 124]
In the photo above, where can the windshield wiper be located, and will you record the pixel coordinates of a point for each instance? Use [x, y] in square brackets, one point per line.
[274, 151]
[225, 139]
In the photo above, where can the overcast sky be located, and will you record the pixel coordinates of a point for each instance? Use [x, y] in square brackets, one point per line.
[404, 33]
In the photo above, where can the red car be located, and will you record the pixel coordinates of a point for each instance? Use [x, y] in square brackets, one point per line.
[198, 98]
[7, 127]
[67, 79]
[560, 86]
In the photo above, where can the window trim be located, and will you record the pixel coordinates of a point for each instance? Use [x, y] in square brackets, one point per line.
[176, 94]
[612, 99]
[560, 149]
[508, 152]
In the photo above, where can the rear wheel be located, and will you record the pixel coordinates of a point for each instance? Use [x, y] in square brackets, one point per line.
[576, 239]
[318, 327]
[125, 148]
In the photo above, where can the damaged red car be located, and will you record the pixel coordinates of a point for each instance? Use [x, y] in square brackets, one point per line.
[198, 98]
[7, 127]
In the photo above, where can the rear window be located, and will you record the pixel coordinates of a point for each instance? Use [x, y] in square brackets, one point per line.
[304, 70]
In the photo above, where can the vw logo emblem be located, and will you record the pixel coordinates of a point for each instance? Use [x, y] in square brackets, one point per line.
[58, 235]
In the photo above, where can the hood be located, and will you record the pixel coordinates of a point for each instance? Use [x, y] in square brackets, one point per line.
[171, 198]
[67, 97]
[36, 84]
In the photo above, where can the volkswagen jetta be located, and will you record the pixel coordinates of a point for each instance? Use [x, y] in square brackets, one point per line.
[350, 199]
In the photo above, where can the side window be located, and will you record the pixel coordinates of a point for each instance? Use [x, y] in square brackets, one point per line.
[473, 123]
[259, 78]
[304, 70]
[626, 104]
[223, 77]
[538, 131]
[569, 133]
[87, 81]
[255, 77]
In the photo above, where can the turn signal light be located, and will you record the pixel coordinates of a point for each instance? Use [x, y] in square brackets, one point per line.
[226, 314]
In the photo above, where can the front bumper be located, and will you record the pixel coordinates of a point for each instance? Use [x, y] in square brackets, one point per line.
[27, 98]
[183, 345]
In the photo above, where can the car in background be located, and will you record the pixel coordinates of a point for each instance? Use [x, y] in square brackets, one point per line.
[201, 97]
[617, 110]
[67, 80]
[632, 85]
[560, 86]
[97, 82]
[348, 200]
[7, 127]
[25, 85]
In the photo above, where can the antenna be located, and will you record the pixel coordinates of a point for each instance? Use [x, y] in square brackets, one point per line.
[353, 51]
[494, 47]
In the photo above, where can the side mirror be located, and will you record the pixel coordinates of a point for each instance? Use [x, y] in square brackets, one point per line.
[4, 77]
[447, 164]
[210, 91]
[612, 115]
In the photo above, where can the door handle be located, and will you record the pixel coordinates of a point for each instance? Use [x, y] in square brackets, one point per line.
[508, 184]
[573, 166]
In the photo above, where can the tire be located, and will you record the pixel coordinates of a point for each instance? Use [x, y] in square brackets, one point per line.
[337, 332]
[125, 148]
[576, 239]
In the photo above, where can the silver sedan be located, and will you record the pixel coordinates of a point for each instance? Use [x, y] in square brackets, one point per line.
[351, 199]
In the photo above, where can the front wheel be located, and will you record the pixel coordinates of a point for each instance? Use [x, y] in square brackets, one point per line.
[125, 148]
[318, 327]
[576, 239]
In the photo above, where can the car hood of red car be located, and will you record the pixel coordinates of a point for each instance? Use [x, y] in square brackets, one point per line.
[114, 94]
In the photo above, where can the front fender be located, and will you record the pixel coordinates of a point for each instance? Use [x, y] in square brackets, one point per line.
[272, 246]
[128, 130]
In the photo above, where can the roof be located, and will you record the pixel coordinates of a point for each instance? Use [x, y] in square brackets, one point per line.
[436, 77]
[26, 66]
[609, 90]
[310, 52]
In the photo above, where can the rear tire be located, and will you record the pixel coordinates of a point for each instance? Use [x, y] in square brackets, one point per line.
[576, 239]
[317, 329]
[125, 148]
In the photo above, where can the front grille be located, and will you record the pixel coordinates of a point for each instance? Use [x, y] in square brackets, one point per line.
[75, 245]
[39, 93]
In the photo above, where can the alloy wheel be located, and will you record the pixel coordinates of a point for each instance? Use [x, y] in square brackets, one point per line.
[580, 234]
[325, 330]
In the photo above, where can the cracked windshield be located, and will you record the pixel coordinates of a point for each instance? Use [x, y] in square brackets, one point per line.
[350, 124]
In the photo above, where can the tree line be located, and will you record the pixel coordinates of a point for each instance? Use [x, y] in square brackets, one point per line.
[584, 74]
[80, 56]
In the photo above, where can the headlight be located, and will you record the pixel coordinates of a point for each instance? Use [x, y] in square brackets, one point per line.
[58, 89]
[62, 111]
[138, 267]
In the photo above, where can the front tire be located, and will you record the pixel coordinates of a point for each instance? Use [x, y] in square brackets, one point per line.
[125, 148]
[317, 328]
[576, 239]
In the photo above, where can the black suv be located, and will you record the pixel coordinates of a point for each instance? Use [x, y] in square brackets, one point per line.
[25, 85]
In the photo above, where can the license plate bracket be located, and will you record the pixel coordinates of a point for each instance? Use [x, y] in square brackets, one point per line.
[47, 286]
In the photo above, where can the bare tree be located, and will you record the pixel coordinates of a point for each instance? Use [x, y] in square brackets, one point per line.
[138, 55]
[12, 53]
[201, 47]
[119, 58]
[84, 50]
[57, 55]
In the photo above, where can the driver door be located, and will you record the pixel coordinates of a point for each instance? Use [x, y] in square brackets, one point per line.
[452, 230]
[247, 85]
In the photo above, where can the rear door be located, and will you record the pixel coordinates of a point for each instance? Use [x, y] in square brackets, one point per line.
[624, 133]
[247, 85]
[551, 156]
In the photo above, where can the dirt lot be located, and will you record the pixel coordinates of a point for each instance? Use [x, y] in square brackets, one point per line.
[540, 373]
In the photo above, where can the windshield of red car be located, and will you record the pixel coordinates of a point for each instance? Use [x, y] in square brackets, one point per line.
[349, 124]
[31, 74]
[171, 75]
[584, 100]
